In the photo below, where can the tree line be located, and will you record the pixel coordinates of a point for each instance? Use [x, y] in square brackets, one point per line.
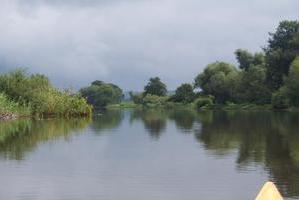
[267, 77]
[261, 78]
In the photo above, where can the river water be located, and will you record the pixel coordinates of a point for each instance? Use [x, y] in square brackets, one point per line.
[150, 155]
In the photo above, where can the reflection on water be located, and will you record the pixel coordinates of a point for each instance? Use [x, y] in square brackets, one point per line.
[21, 136]
[253, 141]
[270, 139]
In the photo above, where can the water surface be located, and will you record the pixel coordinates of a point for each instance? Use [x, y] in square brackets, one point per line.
[150, 155]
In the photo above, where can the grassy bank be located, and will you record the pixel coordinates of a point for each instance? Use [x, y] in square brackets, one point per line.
[193, 106]
[123, 105]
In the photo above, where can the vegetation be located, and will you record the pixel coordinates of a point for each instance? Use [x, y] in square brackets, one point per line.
[218, 79]
[184, 93]
[270, 77]
[23, 93]
[155, 87]
[283, 47]
[100, 94]
[260, 79]
[154, 94]
[9, 108]
[204, 102]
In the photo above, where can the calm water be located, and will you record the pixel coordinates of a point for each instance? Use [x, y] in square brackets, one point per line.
[150, 155]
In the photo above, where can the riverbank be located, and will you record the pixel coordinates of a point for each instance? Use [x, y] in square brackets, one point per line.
[192, 106]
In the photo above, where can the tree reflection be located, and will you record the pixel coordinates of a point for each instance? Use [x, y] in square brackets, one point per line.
[266, 138]
[184, 118]
[107, 120]
[154, 120]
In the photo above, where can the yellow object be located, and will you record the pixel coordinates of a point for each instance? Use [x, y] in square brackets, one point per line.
[269, 192]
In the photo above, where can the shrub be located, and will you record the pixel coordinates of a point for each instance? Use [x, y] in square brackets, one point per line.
[203, 102]
[137, 98]
[280, 99]
[154, 100]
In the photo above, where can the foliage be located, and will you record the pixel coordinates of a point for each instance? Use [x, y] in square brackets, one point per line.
[203, 102]
[154, 100]
[101, 94]
[136, 98]
[280, 99]
[36, 92]
[292, 83]
[252, 86]
[218, 79]
[10, 107]
[283, 46]
[155, 87]
[184, 94]
[246, 59]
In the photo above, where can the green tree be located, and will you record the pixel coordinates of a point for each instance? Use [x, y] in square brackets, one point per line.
[252, 86]
[155, 87]
[292, 83]
[184, 93]
[283, 46]
[100, 94]
[246, 59]
[218, 79]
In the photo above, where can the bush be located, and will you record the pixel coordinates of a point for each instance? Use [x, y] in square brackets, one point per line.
[280, 99]
[100, 94]
[154, 100]
[203, 102]
[137, 98]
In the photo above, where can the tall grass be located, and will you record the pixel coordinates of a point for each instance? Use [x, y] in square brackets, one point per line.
[8, 107]
[40, 96]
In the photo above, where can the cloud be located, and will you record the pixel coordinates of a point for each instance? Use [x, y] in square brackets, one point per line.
[128, 41]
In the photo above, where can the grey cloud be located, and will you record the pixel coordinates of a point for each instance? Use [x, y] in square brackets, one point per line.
[127, 41]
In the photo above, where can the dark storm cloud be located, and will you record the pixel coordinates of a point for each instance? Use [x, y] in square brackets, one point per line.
[127, 41]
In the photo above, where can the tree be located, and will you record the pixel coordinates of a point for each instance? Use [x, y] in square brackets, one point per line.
[184, 93]
[246, 59]
[155, 87]
[292, 83]
[100, 94]
[218, 79]
[283, 46]
[252, 86]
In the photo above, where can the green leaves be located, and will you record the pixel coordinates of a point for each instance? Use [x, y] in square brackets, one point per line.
[101, 94]
[155, 87]
[184, 94]
[283, 47]
[217, 79]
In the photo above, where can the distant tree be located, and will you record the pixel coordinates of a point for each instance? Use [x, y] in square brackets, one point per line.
[184, 93]
[100, 94]
[155, 87]
[283, 46]
[246, 59]
[218, 79]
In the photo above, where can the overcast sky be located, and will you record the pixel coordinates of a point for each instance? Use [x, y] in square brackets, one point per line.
[127, 41]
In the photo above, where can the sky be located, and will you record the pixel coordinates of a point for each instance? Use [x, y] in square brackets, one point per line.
[128, 41]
